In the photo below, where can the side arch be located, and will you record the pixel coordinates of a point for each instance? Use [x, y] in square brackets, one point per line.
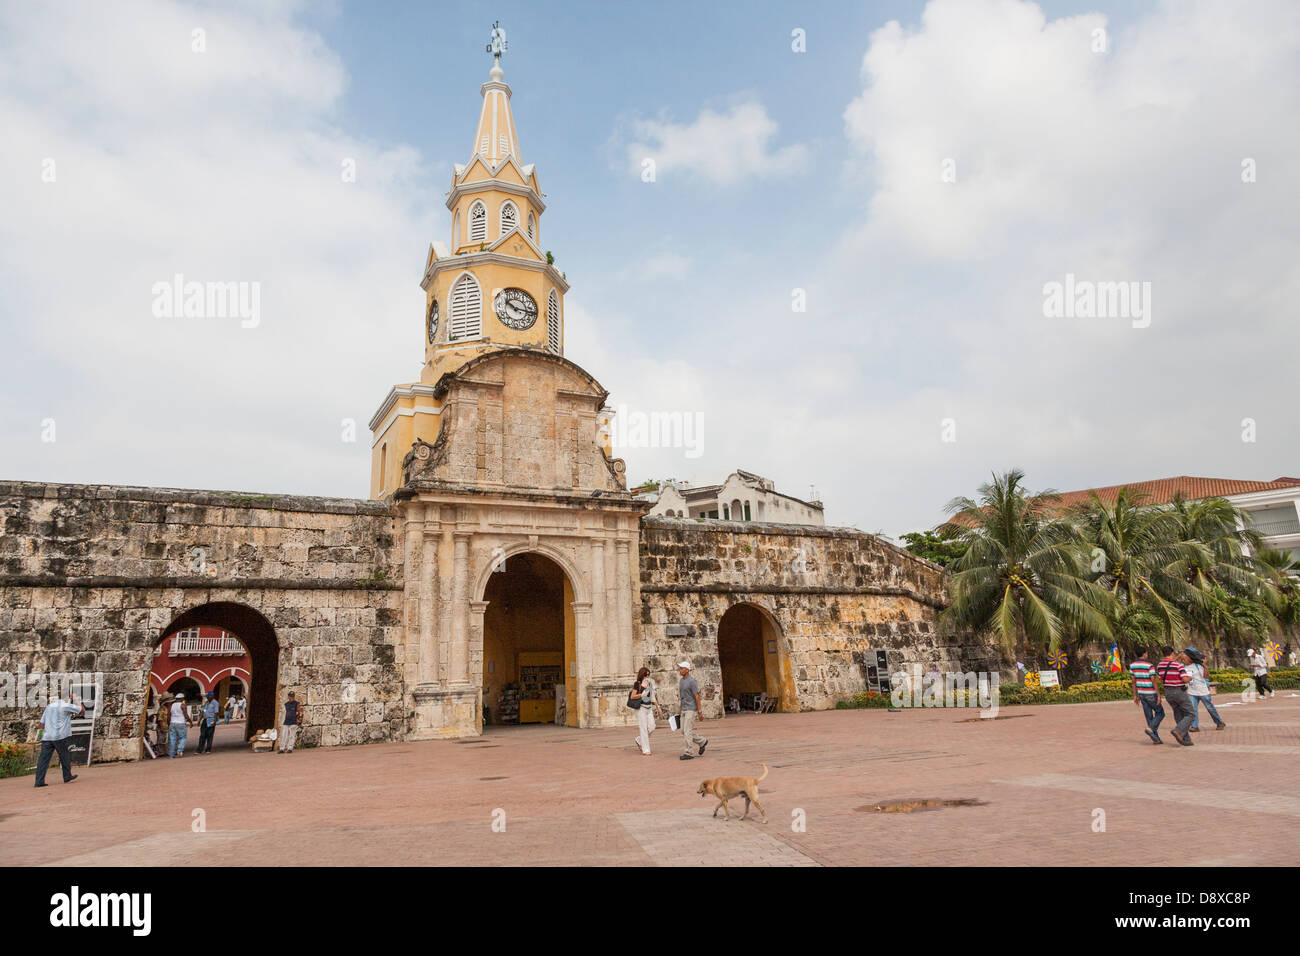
[259, 638]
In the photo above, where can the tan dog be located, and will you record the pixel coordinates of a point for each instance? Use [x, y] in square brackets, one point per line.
[728, 788]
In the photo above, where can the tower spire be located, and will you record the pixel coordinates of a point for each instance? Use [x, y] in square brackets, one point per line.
[495, 138]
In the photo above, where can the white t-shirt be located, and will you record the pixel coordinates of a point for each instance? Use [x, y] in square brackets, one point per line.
[1198, 684]
[178, 712]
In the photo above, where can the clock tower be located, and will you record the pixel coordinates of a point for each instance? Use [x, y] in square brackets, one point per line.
[494, 289]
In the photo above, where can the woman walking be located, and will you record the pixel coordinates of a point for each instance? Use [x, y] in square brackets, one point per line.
[644, 691]
[1199, 688]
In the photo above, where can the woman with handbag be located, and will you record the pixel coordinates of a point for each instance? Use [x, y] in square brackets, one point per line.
[645, 702]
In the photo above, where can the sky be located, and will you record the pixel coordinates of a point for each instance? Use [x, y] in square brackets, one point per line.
[842, 268]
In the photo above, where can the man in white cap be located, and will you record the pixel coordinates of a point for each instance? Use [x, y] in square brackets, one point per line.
[689, 691]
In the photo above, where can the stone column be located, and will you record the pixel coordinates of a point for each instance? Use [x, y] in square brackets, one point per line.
[582, 644]
[623, 587]
[429, 663]
[460, 609]
[411, 576]
[599, 651]
[444, 584]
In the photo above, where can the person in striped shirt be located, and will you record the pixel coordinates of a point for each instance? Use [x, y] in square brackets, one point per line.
[1146, 694]
[1173, 676]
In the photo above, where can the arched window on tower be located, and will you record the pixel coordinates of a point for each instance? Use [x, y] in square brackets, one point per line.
[478, 221]
[553, 322]
[532, 227]
[455, 233]
[466, 310]
[509, 217]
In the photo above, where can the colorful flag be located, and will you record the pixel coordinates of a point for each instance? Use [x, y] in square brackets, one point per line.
[1113, 666]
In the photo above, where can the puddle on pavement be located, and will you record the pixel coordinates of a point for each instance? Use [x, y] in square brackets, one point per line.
[494, 778]
[980, 720]
[911, 806]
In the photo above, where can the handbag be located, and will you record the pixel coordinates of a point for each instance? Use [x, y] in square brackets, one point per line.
[633, 702]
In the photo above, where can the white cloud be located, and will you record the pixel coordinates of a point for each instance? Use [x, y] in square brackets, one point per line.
[223, 166]
[719, 147]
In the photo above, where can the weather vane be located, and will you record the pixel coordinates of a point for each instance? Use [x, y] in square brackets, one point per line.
[498, 44]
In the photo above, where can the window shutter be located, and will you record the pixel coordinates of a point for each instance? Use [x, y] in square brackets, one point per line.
[553, 322]
[466, 310]
[532, 226]
[509, 217]
[477, 222]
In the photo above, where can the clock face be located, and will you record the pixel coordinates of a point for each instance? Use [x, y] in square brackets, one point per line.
[433, 319]
[515, 308]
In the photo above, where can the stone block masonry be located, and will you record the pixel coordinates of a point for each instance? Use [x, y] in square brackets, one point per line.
[829, 596]
[92, 578]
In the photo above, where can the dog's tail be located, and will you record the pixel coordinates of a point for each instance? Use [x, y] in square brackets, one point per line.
[764, 777]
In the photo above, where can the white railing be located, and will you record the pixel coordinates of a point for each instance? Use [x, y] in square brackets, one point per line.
[1276, 528]
[223, 646]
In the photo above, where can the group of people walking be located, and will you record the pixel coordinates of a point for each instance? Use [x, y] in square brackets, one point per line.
[1185, 684]
[644, 700]
[172, 722]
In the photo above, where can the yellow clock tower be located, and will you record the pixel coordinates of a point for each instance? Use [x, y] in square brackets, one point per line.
[495, 289]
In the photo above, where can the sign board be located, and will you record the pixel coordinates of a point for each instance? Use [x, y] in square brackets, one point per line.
[1048, 679]
[81, 743]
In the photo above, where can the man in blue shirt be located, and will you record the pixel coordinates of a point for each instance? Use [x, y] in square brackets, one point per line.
[208, 725]
[56, 722]
[689, 692]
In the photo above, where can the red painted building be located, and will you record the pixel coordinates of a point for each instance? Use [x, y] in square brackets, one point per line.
[208, 656]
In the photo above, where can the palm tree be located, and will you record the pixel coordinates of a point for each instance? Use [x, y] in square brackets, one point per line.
[1023, 577]
[1228, 598]
[1282, 571]
[1131, 546]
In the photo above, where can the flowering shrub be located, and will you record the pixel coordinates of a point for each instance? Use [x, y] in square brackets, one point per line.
[15, 760]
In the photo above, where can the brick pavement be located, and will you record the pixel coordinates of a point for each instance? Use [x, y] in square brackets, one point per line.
[588, 797]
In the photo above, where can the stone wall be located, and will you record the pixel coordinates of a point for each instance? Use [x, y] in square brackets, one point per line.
[832, 594]
[93, 577]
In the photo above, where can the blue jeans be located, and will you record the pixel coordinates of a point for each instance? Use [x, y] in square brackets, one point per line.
[1209, 705]
[176, 734]
[1152, 711]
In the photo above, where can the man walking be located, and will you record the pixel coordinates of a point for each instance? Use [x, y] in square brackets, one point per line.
[1173, 675]
[56, 724]
[689, 691]
[178, 728]
[1258, 666]
[208, 724]
[1146, 694]
[292, 717]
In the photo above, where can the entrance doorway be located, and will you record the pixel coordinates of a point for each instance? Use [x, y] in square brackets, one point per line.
[528, 643]
[749, 652]
[225, 648]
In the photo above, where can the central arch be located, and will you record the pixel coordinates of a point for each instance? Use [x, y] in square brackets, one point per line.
[257, 635]
[529, 641]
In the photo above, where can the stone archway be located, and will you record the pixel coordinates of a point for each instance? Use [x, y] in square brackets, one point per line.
[529, 641]
[752, 658]
[257, 635]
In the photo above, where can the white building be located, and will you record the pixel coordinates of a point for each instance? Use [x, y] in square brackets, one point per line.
[744, 496]
[1272, 507]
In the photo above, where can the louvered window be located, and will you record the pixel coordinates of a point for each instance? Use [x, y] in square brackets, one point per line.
[509, 217]
[505, 146]
[553, 322]
[532, 226]
[466, 309]
[477, 222]
[483, 146]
